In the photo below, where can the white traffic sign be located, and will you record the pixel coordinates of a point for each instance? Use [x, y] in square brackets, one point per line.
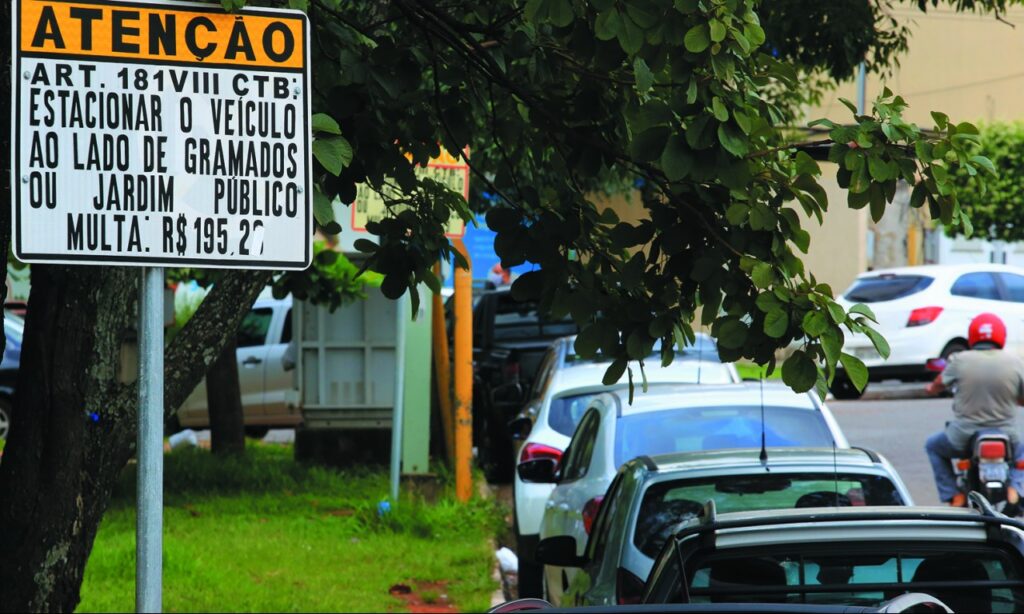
[161, 134]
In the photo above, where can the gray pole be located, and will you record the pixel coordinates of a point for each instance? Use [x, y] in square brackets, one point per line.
[150, 448]
[861, 78]
[398, 417]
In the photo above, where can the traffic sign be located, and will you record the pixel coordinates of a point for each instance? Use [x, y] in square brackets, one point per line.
[161, 134]
[447, 169]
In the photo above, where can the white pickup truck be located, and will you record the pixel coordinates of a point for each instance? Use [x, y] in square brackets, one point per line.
[263, 338]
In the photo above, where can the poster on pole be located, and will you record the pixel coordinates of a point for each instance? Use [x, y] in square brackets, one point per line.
[160, 134]
[450, 170]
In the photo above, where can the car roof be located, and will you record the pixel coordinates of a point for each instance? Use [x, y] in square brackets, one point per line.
[585, 375]
[744, 458]
[743, 394]
[940, 270]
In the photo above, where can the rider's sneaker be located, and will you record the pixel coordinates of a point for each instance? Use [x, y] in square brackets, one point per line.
[958, 500]
[1012, 507]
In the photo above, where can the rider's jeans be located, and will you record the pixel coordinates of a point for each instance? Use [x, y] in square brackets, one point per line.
[941, 451]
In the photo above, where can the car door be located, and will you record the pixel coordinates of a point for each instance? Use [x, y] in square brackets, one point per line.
[563, 510]
[276, 381]
[1012, 286]
[252, 354]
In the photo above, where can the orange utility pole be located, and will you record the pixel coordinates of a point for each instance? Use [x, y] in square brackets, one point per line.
[463, 302]
[442, 368]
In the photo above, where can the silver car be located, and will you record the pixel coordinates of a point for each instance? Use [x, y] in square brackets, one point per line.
[651, 495]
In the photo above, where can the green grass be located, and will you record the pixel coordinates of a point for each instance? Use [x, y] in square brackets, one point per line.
[749, 370]
[262, 533]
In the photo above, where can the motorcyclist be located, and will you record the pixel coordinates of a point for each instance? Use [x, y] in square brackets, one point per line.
[988, 385]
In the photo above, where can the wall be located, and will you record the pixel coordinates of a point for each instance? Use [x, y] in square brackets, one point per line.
[838, 250]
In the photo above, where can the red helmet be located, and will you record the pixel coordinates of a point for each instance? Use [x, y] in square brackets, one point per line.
[987, 327]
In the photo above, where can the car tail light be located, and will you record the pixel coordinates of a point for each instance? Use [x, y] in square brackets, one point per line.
[590, 511]
[963, 464]
[992, 450]
[629, 589]
[537, 451]
[924, 315]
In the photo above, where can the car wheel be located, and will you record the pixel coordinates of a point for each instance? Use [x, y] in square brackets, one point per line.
[844, 390]
[5, 417]
[953, 347]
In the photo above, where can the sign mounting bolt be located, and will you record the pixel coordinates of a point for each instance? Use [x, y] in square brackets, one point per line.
[27, 75]
[24, 178]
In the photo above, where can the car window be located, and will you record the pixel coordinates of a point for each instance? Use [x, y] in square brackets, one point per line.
[666, 504]
[1014, 285]
[565, 412]
[693, 429]
[581, 448]
[976, 285]
[544, 372]
[886, 287]
[862, 579]
[515, 320]
[253, 329]
[286, 329]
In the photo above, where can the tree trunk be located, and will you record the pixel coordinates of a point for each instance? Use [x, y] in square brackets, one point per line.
[224, 402]
[75, 420]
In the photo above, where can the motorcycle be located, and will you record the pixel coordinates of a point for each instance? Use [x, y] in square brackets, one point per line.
[986, 465]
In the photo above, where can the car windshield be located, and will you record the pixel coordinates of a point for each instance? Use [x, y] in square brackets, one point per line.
[704, 348]
[566, 411]
[966, 578]
[666, 504]
[886, 288]
[693, 429]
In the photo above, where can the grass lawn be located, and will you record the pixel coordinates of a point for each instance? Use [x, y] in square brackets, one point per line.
[262, 533]
[749, 370]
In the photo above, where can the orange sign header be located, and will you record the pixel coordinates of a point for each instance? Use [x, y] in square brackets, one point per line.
[165, 32]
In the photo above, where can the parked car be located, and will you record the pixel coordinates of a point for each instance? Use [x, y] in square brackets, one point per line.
[651, 495]
[907, 602]
[924, 311]
[564, 386]
[972, 560]
[263, 339]
[14, 329]
[510, 339]
[666, 419]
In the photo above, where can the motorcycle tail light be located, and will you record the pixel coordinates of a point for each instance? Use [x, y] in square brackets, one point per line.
[923, 315]
[963, 464]
[629, 589]
[992, 450]
[537, 451]
[590, 511]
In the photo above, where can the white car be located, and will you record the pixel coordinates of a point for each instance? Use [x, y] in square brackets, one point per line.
[924, 311]
[666, 419]
[562, 389]
[263, 338]
[651, 495]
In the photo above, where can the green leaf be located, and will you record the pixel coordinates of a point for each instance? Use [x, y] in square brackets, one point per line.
[607, 24]
[836, 311]
[864, 310]
[644, 76]
[560, 12]
[737, 213]
[717, 31]
[832, 344]
[855, 370]
[322, 209]
[677, 159]
[799, 371]
[697, 39]
[762, 275]
[878, 341]
[733, 139]
[649, 144]
[323, 122]
[334, 154]
[776, 323]
[815, 324]
[732, 333]
[614, 372]
[365, 246]
[805, 164]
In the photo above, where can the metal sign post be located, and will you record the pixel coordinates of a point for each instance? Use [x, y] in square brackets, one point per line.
[150, 447]
[159, 134]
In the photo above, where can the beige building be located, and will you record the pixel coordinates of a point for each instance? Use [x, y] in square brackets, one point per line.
[970, 67]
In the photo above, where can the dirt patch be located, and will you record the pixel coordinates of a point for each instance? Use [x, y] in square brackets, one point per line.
[424, 597]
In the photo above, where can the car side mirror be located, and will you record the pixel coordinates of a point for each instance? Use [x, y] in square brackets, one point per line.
[539, 471]
[520, 427]
[559, 550]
